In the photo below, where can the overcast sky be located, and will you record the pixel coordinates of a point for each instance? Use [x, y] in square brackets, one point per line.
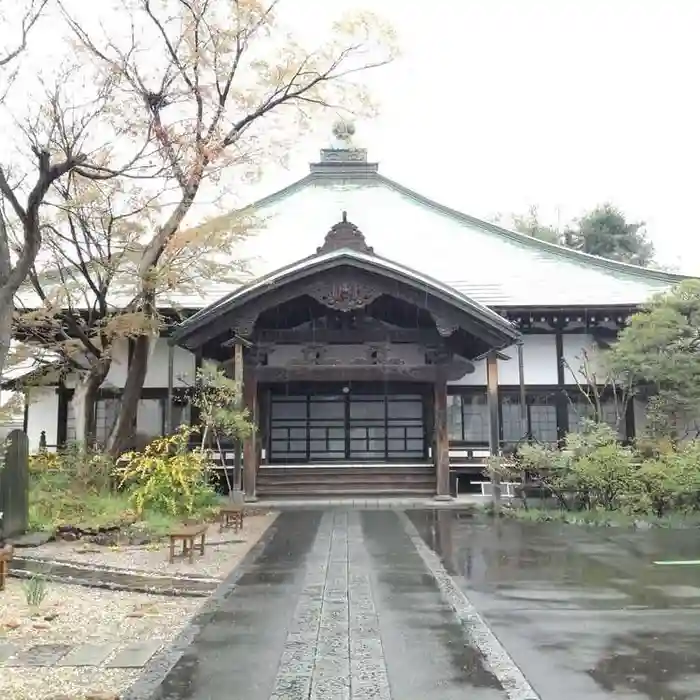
[496, 105]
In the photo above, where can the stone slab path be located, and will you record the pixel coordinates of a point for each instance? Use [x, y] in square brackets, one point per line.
[340, 605]
[135, 655]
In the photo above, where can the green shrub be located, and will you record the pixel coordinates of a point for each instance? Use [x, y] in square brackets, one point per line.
[668, 481]
[593, 470]
[167, 477]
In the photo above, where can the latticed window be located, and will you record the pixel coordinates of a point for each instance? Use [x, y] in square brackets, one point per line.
[580, 408]
[468, 418]
[106, 413]
[541, 418]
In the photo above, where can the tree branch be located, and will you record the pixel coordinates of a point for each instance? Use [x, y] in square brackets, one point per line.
[28, 22]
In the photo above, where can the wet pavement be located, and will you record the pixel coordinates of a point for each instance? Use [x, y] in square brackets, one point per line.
[583, 612]
[339, 605]
[440, 604]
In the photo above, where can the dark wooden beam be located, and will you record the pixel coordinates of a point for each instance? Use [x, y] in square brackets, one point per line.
[492, 400]
[562, 399]
[442, 442]
[630, 427]
[349, 337]
[238, 377]
[250, 444]
[64, 396]
[354, 373]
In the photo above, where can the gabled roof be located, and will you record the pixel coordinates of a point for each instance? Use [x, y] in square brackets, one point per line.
[333, 257]
[486, 262]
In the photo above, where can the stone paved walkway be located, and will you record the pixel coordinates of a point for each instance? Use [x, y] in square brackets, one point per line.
[340, 605]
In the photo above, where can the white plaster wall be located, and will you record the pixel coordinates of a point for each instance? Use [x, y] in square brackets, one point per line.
[576, 347]
[539, 364]
[539, 361]
[183, 366]
[116, 377]
[120, 364]
[42, 414]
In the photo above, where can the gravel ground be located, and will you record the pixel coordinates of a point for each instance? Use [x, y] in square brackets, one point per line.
[83, 615]
[80, 615]
[221, 552]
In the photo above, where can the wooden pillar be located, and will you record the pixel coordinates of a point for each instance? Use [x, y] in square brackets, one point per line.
[561, 400]
[524, 429]
[169, 404]
[238, 378]
[494, 423]
[492, 400]
[442, 444]
[250, 444]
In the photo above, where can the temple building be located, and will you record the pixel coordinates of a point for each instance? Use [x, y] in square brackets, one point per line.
[387, 343]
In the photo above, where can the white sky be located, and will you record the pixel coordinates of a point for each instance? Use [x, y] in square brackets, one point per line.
[496, 105]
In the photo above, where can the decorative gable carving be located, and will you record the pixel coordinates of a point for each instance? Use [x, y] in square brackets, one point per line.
[344, 294]
[345, 235]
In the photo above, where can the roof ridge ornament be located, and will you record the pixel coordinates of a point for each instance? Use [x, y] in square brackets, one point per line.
[345, 234]
[342, 158]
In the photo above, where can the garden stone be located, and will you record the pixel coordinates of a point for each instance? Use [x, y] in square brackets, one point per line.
[6, 651]
[14, 486]
[135, 655]
[101, 695]
[87, 655]
[40, 655]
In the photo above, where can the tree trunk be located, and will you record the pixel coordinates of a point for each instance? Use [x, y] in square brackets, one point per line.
[84, 403]
[124, 428]
[5, 334]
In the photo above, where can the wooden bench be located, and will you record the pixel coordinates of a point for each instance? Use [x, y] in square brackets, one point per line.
[231, 515]
[187, 535]
[5, 558]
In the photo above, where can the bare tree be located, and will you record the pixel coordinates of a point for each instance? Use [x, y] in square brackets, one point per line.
[84, 298]
[215, 86]
[11, 276]
[599, 384]
[29, 16]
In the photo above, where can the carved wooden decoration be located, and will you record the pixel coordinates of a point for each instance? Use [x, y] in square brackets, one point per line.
[445, 327]
[245, 325]
[344, 295]
[345, 235]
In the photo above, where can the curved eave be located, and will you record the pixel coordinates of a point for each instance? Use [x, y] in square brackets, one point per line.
[515, 236]
[371, 263]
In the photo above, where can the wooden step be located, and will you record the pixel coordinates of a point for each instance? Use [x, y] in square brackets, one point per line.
[392, 493]
[354, 478]
[347, 480]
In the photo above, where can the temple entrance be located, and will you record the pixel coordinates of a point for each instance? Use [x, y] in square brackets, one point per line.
[325, 423]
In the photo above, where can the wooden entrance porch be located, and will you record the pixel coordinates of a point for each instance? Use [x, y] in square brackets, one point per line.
[344, 360]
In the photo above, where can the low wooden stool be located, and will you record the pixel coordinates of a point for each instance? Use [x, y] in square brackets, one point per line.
[187, 534]
[5, 558]
[231, 515]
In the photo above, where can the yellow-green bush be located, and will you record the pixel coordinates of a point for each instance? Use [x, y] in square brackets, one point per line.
[167, 477]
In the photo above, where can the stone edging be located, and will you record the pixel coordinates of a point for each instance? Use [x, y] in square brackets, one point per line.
[497, 658]
[162, 663]
[106, 568]
[170, 591]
